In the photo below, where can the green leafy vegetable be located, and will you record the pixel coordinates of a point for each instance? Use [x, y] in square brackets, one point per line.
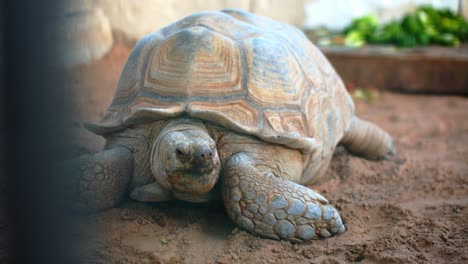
[425, 26]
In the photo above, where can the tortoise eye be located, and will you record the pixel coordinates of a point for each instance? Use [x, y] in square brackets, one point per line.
[182, 151]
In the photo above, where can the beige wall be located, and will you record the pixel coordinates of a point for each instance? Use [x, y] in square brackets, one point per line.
[465, 8]
[133, 19]
[87, 28]
[289, 11]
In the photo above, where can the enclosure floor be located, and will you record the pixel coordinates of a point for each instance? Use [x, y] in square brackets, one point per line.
[411, 209]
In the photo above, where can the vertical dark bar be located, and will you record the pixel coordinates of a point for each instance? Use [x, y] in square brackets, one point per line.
[35, 109]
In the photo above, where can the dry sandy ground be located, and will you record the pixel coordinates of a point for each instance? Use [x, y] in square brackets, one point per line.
[412, 209]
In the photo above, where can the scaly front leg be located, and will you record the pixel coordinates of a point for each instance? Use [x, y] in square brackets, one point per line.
[98, 181]
[272, 207]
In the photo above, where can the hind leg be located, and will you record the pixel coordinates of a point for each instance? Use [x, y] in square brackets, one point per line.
[368, 140]
[98, 181]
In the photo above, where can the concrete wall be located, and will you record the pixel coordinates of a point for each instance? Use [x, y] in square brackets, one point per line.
[87, 29]
[464, 7]
[131, 20]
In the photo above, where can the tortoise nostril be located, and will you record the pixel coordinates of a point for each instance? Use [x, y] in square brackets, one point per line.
[204, 153]
[209, 154]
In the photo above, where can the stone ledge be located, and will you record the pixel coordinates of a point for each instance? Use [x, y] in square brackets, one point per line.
[416, 70]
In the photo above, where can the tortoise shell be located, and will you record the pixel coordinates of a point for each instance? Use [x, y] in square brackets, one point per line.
[243, 72]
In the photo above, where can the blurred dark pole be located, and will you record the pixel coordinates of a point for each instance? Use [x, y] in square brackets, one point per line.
[35, 110]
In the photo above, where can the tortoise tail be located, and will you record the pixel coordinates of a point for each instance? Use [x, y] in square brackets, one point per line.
[368, 140]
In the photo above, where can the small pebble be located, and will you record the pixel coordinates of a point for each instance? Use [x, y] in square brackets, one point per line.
[127, 214]
[223, 260]
[275, 250]
[160, 219]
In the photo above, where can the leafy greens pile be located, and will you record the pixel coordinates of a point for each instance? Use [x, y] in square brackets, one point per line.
[425, 26]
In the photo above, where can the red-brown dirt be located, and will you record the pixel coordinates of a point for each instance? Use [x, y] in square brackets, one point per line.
[411, 209]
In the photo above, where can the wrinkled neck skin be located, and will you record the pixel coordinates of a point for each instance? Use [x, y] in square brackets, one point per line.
[184, 159]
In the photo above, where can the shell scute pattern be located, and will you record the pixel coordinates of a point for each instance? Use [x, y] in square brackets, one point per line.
[220, 22]
[274, 79]
[194, 62]
[270, 56]
[237, 114]
[287, 122]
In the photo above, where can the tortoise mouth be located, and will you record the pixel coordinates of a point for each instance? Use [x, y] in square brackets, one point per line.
[196, 181]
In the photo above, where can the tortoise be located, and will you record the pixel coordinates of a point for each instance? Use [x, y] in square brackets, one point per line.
[233, 106]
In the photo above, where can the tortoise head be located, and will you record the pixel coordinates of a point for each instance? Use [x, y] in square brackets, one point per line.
[186, 160]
